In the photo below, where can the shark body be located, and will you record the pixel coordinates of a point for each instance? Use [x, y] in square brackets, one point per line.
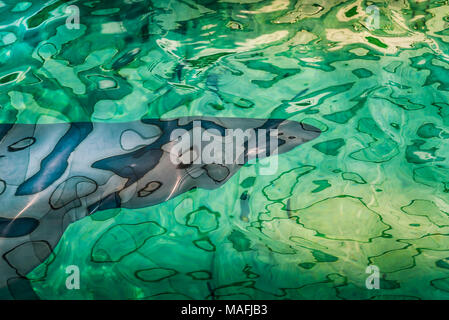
[54, 174]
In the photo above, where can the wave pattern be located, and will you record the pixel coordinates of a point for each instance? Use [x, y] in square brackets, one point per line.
[371, 190]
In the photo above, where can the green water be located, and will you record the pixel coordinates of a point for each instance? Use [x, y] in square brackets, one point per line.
[371, 190]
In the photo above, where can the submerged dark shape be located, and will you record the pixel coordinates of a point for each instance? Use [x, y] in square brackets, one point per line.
[56, 174]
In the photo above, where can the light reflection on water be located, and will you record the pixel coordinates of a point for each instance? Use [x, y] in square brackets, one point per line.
[373, 189]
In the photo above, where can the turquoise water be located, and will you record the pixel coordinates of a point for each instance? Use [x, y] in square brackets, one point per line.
[371, 190]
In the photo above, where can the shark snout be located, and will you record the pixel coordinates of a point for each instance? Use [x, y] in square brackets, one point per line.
[296, 133]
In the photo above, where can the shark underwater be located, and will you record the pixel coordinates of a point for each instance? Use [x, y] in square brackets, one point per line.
[52, 175]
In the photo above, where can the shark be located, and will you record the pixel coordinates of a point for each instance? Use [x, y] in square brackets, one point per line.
[52, 175]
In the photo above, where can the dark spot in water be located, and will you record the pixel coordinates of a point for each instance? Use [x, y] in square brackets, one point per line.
[12, 228]
[22, 144]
